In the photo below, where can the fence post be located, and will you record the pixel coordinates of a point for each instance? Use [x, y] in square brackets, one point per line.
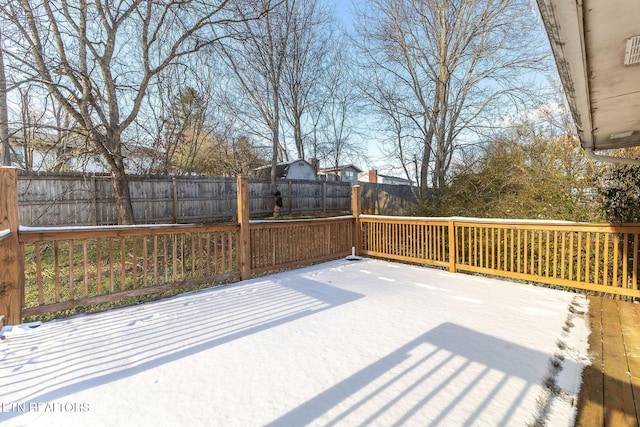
[324, 197]
[174, 197]
[94, 200]
[355, 211]
[453, 246]
[11, 261]
[244, 241]
[290, 201]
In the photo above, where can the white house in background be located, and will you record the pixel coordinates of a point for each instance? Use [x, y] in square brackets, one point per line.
[295, 169]
[378, 178]
[344, 173]
[45, 150]
[48, 153]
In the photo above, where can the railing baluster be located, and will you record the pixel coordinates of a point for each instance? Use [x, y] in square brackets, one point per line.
[624, 281]
[56, 270]
[134, 261]
[156, 259]
[540, 251]
[99, 266]
[605, 267]
[71, 275]
[571, 254]
[579, 276]
[563, 258]
[38, 255]
[123, 264]
[596, 270]
[634, 280]
[587, 263]
[85, 264]
[145, 262]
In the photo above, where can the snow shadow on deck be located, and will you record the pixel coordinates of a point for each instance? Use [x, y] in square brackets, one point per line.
[450, 375]
[63, 357]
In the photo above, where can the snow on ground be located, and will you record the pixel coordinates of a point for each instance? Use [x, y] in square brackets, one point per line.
[342, 343]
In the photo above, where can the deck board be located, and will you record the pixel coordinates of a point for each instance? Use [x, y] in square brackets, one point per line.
[611, 385]
[630, 321]
[590, 405]
[618, 394]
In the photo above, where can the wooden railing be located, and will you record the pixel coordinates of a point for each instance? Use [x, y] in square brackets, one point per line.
[286, 244]
[594, 257]
[420, 240]
[84, 266]
[68, 268]
[46, 270]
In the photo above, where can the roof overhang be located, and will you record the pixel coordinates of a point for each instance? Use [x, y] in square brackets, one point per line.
[589, 40]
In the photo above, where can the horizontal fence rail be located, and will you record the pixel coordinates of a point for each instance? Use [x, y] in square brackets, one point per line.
[593, 257]
[74, 267]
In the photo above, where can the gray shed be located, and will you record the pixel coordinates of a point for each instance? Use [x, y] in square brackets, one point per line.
[295, 169]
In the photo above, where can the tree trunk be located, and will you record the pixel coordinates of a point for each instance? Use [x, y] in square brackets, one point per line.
[274, 160]
[275, 134]
[122, 196]
[424, 170]
[5, 148]
[297, 134]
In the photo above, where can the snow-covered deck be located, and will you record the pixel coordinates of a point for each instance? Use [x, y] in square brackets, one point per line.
[364, 342]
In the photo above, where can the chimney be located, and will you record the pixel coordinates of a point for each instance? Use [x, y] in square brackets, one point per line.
[373, 176]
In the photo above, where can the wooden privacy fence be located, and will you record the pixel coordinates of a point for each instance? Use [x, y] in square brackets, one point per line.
[593, 257]
[76, 199]
[387, 199]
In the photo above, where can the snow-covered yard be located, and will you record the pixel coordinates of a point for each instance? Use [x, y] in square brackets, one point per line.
[347, 343]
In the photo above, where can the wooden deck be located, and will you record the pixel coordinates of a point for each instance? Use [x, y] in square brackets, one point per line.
[610, 390]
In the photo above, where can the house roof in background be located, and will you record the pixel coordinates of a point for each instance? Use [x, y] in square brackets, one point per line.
[282, 168]
[599, 65]
[395, 178]
[341, 167]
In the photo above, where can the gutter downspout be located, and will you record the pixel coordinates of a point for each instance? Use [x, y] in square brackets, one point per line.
[621, 160]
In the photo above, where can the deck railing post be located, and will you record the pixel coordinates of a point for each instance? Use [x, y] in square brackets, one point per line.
[244, 241]
[11, 260]
[355, 211]
[453, 246]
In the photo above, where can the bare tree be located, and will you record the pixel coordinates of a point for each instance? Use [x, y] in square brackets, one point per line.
[450, 65]
[5, 147]
[99, 58]
[257, 59]
[70, 145]
[307, 62]
[340, 110]
[183, 131]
